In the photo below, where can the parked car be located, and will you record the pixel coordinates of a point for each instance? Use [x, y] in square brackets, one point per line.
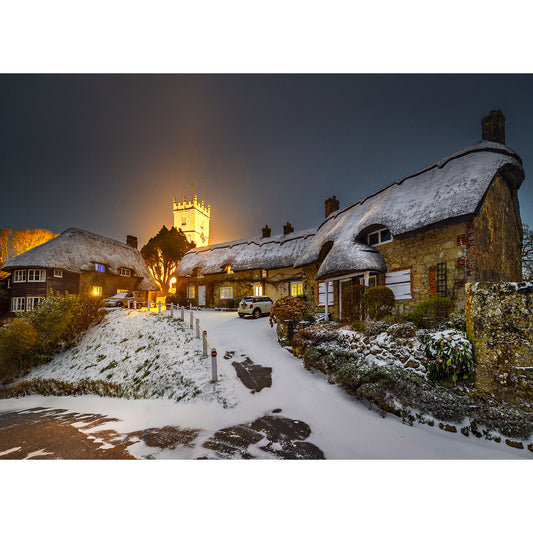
[121, 299]
[255, 306]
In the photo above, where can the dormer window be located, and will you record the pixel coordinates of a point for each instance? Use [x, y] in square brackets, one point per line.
[99, 267]
[228, 270]
[58, 273]
[381, 236]
[124, 272]
[264, 273]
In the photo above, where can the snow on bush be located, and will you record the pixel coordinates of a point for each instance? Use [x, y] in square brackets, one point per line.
[449, 354]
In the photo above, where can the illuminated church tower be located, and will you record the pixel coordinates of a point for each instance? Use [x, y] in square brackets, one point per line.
[193, 219]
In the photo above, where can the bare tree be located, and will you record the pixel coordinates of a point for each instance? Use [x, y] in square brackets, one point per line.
[527, 254]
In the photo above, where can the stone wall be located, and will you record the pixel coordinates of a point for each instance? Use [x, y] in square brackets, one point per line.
[499, 318]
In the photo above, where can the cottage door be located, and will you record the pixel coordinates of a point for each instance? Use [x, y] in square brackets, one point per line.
[201, 295]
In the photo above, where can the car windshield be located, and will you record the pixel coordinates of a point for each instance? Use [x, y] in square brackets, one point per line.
[248, 299]
[119, 295]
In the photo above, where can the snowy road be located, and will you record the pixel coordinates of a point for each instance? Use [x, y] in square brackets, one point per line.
[341, 428]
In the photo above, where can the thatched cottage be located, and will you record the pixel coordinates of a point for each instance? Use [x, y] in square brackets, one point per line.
[425, 234]
[77, 262]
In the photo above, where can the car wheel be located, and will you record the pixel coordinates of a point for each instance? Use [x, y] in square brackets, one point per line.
[257, 312]
[119, 304]
[241, 315]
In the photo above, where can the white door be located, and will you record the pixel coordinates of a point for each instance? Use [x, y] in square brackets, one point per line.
[201, 295]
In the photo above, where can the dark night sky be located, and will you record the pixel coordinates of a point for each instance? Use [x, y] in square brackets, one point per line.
[108, 153]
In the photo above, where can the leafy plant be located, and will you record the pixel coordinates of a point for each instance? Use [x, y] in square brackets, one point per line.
[430, 312]
[378, 301]
[449, 354]
[352, 303]
[287, 308]
[17, 338]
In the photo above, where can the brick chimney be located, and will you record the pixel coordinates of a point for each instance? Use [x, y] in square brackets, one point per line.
[493, 127]
[332, 204]
[131, 241]
[287, 229]
[266, 231]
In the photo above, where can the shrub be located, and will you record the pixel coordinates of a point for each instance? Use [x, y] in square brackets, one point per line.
[172, 299]
[375, 327]
[358, 325]
[352, 303]
[17, 338]
[456, 320]
[287, 308]
[449, 354]
[430, 312]
[379, 302]
[403, 330]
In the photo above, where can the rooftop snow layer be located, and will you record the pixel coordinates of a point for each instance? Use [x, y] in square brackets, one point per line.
[76, 250]
[278, 251]
[453, 187]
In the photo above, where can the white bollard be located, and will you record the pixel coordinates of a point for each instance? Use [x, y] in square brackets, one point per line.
[214, 365]
[171, 310]
[197, 328]
[159, 307]
[192, 318]
[183, 313]
[148, 305]
[205, 343]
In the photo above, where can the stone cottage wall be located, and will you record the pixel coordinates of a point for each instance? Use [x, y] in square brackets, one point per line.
[499, 319]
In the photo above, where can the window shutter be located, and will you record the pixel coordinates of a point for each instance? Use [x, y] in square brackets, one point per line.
[400, 284]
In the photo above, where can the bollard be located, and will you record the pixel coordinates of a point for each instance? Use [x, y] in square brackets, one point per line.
[135, 305]
[148, 305]
[205, 343]
[197, 328]
[213, 365]
[159, 307]
[171, 310]
[183, 313]
[191, 319]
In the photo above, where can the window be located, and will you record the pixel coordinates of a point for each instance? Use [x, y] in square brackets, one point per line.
[96, 290]
[264, 273]
[400, 284]
[19, 276]
[58, 273]
[258, 289]
[191, 292]
[122, 290]
[228, 269]
[441, 279]
[17, 304]
[380, 236]
[32, 302]
[322, 293]
[124, 272]
[99, 267]
[226, 293]
[297, 288]
[37, 275]
[9, 283]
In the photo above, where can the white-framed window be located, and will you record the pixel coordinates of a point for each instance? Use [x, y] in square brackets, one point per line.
[381, 236]
[58, 273]
[19, 276]
[9, 283]
[226, 293]
[258, 289]
[99, 267]
[18, 304]
[191, 292]
[264, 273]
[32, 302]
[372, 280]
[297, 288]
[96, 290]
[124, 272]
[400, 284]
[322, 293]
[37, 274]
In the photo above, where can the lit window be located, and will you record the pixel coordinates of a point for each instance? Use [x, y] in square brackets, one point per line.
[37, 275]
[229, 270]
[258, 289]
[124, 272]
[322, 293]
[264, 273]
[121, 290]
[297, 288]
[400, 284]
[379, 237]
[226, 293]
[18, 304]
[58, 273]
[99, 267]
[19, 276]
[32, 302]
[191, 292]
[96, 291]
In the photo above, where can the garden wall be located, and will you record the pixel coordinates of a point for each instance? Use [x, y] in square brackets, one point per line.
[499, 319]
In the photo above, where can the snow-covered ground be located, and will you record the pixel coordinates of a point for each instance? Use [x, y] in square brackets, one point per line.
[340, 426]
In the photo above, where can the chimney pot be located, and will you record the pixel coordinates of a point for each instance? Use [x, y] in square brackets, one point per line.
[287, 229]
[131, 241]
[493, 127]
[266, 231]
[331, 204]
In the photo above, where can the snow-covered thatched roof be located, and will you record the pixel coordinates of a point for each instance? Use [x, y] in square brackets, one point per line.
[448, 190]
[76, 250]
[279, 251]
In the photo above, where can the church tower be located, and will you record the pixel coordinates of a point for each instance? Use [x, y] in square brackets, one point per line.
[193, 219]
